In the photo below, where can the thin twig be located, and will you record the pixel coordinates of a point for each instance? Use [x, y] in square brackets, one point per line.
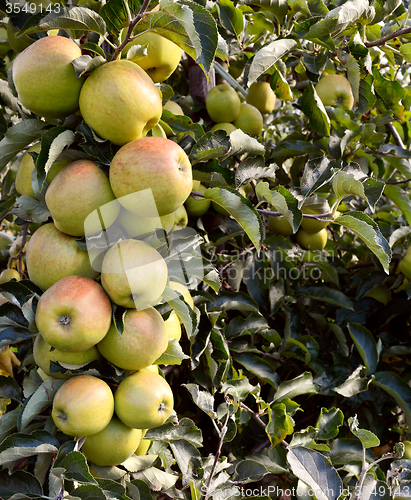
[254, 415]
[382, 40]
[396, 135]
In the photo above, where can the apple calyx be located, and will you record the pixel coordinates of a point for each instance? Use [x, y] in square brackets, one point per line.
[62, 417]
[65, 320]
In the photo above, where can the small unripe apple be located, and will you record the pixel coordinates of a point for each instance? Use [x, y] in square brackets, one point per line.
[144, 445]
[222, 103]
[82, 406]
[249, 120]
[261, 95]
[404, 265]
[312, 225]
[227, 126]
[120, 102]
[173, 326]
[279, 225]
[5, 240]
[335, 90]
[312, 241]
[174, 107]
[45, 79]
[180, 218]
[9, 274]
[197, 207]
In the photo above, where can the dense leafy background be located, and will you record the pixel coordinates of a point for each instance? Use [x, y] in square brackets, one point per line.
[290, 369]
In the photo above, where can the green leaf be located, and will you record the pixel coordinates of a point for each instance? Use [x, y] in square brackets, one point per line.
[367, 438]
[231, 17]
[18, 484]
[267, 56]
[185, 429]
[396, 387]
[259, 367]
[328, 295]
[18, 137]
[10, 389]
[19, 445]
[280, 424]
[242, 143]
[314, 109]
[400, 198]
[68, 18]
[366, 345]
[249, 470]
[303, 384]
[368, 231]
[115, 14]
[75, 467]
[317, 172]
[211, 145]
[357, 382]
[281, 200]
[173, 355]
[212, 279]
[187, 24]
[30, 210]
[253, 168]
[280, 85]
[203, 399]
[328, 423]
[241, 210]
[390, 92]
[315, 470]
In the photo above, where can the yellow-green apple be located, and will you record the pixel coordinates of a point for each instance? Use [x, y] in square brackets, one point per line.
[279, 225]
[9, 274]
[313, 225]
[26, 167]
[18, 44]
[197, 206]
[174, 107]
[236, 67]
[180, 218]
[261, 96]
[112, 445]
[144, 444]
[143, 400]
[134, 274]
[83, 406]
[222, 103]
[142, 341]
[120, 102]
[45, 79]
[151, 172]
[82, 191]
[312, 241]
[335, 90]
[162, 58]
[183, 291]
[173, 326]
[227, 126]
[5, 240]
[4, 43]
[404, 265]
[74, 314]
[44, 353]
[52, 255]
[249, 120]
[140, 227]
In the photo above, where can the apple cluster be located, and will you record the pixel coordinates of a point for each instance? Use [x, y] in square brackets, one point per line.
[149, 180]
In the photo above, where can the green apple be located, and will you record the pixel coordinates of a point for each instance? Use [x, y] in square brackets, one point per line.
[279, 225]
[45, 79]
[143, 400]
[404, 265]
[236, 67]
[249, 120]
[222, 103]
[162, 58]
[180, 218]
[52, 255]
[173, 326]
[261, 96]
[18, 44]
[183, 291]
[140, 227]
[5, 240]
[142, 341]
[82, 191]
[74, 314]
[407, 450]
[120, 102]
[312, 241]
[174, 107]
[227, 126]
[44, 353]
[134, 274]
[335, 90]
[380, 293]
[82, 406]
[144, 445]
[26, 167]
[112, 445]
[4, 43]
[197, 206]
[9, 274]
[313, 225]
[149, 171]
